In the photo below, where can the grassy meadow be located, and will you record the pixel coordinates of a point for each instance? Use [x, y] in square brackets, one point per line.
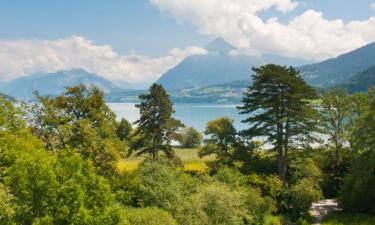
[189, 157]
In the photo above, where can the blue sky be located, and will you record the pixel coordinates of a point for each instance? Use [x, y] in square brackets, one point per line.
[125, 24]
[133, 24]
[136, 41]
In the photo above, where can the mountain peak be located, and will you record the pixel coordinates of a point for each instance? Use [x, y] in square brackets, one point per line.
[219, 45]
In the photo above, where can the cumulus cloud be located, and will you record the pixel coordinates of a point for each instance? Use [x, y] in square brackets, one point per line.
[25, 57]
[308, 35]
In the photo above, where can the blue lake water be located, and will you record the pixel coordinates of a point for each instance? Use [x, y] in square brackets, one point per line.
[194, 115]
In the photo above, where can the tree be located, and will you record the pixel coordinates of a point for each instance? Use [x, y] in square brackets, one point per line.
[336, 113]
[336, 109]
[278, 108]
[156, 126]
[363, 126]
[190, 138]
[79, 119]
[221, 138]
[124, 130]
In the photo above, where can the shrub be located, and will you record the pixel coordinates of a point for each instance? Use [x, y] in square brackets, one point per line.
[272, 220]
[214, 204]
[357, 193]
[149, 216]
[6, 208]
[159, 186]
[304, 193]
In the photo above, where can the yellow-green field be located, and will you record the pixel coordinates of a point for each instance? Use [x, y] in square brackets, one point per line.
[192, 162]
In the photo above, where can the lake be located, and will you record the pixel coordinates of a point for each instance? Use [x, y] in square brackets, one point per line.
[192, 115]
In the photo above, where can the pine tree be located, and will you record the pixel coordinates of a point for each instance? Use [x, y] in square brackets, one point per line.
[278, 108]
[156, 126]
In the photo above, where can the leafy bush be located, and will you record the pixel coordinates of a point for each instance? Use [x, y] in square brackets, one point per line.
[149, 216]
[6, 207]
[214, 204]
[272, 220]
[357, 193]
[304, 193]
[159, 185]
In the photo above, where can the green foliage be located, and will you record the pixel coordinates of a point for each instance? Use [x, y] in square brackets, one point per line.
[357, 193]
[190, 138]
[32, 179]
[159, 186]
[124, 130]
[221, 140]
[7, 211]
[301, 168]
[156, 126]
[339, 218]
[216, 204]
[272, 220]
[278, 109]
[363, 128]
[149, 216]
[304, 193]
[79, 119]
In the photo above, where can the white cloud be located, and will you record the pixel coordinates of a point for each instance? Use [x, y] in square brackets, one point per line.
[308, 35]
[25, 57]
[372, 6]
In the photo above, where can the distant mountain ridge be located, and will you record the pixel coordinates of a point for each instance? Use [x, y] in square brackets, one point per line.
[221, 65]
[337, 70]
[360, 82]
[54, 83]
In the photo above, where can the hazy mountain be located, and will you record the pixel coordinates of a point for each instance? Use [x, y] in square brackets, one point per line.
[54, 83]
[360, 82]
[337, 70]
[7, 97]
[221, 65]
[219, 45]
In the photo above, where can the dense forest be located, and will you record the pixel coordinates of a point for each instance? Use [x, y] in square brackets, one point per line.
[65, 159]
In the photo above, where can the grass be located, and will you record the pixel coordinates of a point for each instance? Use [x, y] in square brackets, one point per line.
[192, 162]
[340, 218]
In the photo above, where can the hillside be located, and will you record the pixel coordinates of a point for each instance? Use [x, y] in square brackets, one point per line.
[220, 65]
[334, 71]
[360, 82]
[230, 92]
[54, 83]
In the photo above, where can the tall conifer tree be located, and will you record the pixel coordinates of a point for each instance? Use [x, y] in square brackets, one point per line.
[156, 126]
[278, 108]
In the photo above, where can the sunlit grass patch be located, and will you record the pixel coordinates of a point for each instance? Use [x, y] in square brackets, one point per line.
[193, 164]
[190, 155]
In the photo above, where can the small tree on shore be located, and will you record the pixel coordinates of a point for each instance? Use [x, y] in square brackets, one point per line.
[190, 138]
[156, 126]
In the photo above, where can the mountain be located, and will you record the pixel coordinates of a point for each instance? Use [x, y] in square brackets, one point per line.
[334, 71]
[54, 83]
[7, 97]
[360, 82]
[220, 65]
[219, 45]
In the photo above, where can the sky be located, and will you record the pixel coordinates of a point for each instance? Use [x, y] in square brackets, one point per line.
[136, 41]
